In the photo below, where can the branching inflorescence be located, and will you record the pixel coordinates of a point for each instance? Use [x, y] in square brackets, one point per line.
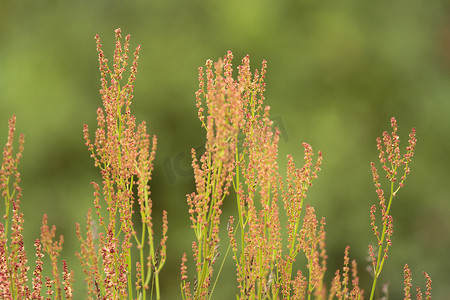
[214, 172]
[240, 136]
[393, 163]
[13, 257]
[124, 156]
[242, 149]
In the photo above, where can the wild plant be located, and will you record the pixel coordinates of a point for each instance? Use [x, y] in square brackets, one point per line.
[241, 151]
[274, 224]
[13, 257]
[392, 162]
[124, 155]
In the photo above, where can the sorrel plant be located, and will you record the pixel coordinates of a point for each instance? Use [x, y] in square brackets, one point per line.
[13, 257]
[239, 164]
[124, 156]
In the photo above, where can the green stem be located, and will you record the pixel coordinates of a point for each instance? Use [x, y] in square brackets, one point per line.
[141, 259]
[372, 293]
[380, 261]
[130, 285]
[158, 297]
[238, 200]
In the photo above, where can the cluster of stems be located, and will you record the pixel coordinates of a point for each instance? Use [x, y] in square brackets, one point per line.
[124, 154]
[13, 257]
[214, 172]
[242, 150]
[408, 278]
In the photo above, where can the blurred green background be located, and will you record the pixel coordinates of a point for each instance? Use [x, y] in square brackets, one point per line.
[337, 72]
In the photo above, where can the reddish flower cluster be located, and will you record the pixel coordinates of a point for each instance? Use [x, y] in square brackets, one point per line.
[13, 257]
[391, 160]
[121, 150]
[340, 288]
[257, 189]
[242, 149]
[309, 239]
[408, 285]
[262, 269]
[53, 249]
[213, 173]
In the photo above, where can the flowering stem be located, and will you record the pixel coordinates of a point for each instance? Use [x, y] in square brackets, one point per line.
[380, 260]
[390, 160]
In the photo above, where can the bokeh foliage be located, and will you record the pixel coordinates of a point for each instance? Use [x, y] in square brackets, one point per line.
[338, 70]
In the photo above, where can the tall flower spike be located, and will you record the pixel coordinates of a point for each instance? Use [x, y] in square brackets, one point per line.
[219, 96]
[408, 278]
[391, 161]
[122, 151]
[428, 292]
[13, 257]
